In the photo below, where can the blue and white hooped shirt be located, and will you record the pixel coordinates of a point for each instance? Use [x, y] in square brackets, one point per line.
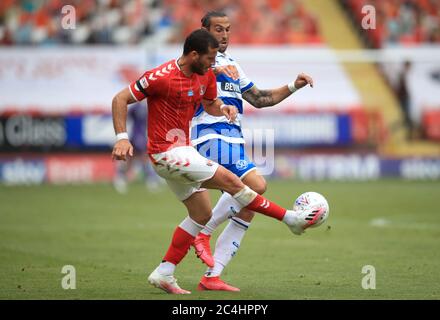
[204, 126]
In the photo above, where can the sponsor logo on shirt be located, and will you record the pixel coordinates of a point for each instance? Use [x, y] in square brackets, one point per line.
[144, 83]
[230, 87]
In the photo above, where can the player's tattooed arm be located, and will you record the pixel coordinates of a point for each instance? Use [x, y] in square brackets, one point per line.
[266, 98]
[261, 98]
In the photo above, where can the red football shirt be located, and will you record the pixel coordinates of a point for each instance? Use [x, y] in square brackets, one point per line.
[172, 99]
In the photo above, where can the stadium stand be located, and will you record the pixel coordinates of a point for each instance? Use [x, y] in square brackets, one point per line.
[135, 21]
[406, 24]
[260, 22]
[63, 121]
[401, 22]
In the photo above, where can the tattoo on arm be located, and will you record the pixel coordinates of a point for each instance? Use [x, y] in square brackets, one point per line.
[259, 98]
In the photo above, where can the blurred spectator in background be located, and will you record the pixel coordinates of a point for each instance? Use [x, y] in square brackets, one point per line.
[257, 21]
[38, 22]
[104, 21]
[400, 22]
[126, 170]
[404, 97]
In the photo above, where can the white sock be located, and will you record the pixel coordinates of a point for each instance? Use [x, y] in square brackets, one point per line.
[226, 206]
[190, 226]
[166, 268]
[227, 245]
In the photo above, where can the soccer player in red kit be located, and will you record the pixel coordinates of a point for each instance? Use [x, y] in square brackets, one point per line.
[174, 90]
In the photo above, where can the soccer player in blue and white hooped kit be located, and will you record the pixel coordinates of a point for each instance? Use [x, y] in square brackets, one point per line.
[219, 140]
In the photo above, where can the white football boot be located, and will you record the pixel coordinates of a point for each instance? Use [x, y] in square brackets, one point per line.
[166, 283]
[298, 221]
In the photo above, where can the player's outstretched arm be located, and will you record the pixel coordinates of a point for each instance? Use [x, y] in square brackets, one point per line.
[122, 147]
[218, 109]
[266, 98]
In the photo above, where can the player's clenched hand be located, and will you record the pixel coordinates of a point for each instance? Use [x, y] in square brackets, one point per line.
[230, 112]
[302, 80]
[229, 70]
[122, 149]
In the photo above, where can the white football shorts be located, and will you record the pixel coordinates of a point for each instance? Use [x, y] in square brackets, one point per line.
[184, 170]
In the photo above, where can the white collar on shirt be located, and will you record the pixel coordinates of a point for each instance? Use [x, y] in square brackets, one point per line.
[222, 54]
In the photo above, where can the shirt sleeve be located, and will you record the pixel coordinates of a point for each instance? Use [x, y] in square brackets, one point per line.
[245, 82]
[211, 90]
[143, 87]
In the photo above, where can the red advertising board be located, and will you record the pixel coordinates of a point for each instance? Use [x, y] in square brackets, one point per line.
[79, 168]
[431, 124]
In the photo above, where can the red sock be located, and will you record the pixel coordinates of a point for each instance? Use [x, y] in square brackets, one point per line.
[179, 247]
[266, 207]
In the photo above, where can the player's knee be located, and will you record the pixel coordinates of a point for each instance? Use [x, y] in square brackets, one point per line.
[233, 184]
[259, 186]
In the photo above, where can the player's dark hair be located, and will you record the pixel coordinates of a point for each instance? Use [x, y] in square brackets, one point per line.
[200, 41]
[206, 20]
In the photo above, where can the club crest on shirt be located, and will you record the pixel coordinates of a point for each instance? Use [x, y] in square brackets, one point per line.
[241, 164]
[202, 90]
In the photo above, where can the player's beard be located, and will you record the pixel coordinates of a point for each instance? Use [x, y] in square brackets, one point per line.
[198, 67]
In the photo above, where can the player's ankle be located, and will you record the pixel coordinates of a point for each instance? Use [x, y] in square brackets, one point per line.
[289, 218]
[166, 268]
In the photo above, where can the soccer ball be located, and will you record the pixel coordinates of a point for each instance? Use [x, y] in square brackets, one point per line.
[311, 200]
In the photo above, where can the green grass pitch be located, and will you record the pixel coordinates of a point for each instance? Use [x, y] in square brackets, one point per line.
[114, 241]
